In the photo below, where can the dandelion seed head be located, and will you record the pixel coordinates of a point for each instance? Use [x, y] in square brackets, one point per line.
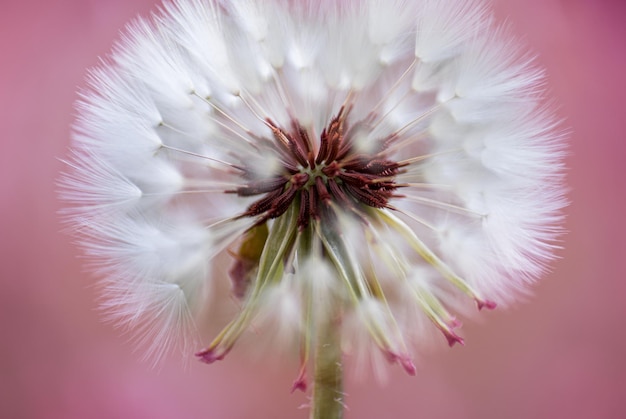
[375, 165]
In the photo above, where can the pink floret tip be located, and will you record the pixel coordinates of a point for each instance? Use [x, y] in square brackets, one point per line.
[404, 360]
[210, 355]
[300, 383]
[490, 305]
[408, 366]
[454, 323]
[453, 338]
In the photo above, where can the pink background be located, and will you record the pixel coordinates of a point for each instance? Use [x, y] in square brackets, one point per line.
[561, 355]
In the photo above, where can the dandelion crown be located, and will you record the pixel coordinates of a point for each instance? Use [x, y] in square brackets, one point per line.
[364, 167]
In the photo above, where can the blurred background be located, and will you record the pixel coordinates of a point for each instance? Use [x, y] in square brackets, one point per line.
[563, 354]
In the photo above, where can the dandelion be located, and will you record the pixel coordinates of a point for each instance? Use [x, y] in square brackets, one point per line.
[369, 168]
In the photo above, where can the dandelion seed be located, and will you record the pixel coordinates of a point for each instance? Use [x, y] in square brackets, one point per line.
[369, 166]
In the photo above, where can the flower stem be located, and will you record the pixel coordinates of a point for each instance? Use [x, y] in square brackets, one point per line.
[328, 382]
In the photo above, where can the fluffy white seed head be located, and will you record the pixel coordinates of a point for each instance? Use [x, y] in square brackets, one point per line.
[376, 164]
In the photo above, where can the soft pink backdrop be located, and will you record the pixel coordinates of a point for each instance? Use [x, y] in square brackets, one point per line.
[561, 355]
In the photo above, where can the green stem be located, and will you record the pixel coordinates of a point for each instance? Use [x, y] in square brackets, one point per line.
[328, 397]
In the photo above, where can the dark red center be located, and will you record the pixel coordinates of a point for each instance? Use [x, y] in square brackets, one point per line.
[337, 174]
